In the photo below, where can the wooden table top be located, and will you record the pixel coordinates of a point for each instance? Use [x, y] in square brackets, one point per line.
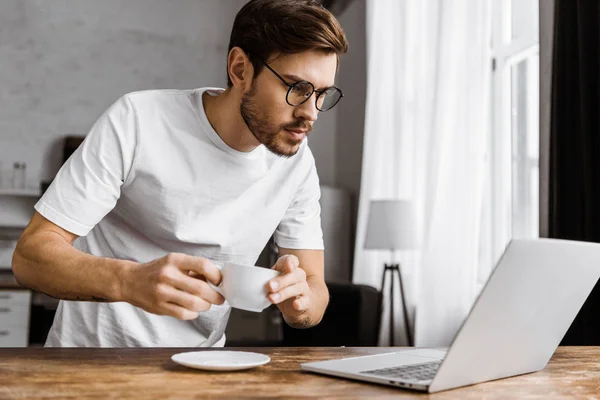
[150, 374]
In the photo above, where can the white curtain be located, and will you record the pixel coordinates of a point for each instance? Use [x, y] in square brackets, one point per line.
[425, 140]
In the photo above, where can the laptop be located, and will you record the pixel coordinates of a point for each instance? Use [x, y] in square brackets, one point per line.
[518, 320]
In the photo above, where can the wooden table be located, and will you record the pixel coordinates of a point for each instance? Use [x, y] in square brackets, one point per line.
[38, 373]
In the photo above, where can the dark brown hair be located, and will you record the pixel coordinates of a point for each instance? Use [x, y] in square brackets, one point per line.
[266, 27]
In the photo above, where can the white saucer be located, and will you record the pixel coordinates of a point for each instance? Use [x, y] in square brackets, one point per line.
[220, 360]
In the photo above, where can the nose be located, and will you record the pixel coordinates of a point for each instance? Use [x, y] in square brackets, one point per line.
[307, 110]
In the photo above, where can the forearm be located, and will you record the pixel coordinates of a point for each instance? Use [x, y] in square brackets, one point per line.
[45, 262]
[321, 299]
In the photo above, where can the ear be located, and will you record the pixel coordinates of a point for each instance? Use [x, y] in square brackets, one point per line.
[240, 69]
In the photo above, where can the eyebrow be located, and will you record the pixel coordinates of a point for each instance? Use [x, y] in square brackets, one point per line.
[296, 78]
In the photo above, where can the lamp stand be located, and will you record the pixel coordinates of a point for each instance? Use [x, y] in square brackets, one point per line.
[396, 268]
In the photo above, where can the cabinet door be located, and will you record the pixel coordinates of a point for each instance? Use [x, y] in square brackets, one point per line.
[14, 318]
[10, 298]
[13, 336]
[12, 315]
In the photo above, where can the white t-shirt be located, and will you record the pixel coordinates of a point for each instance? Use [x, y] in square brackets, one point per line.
[153, 177]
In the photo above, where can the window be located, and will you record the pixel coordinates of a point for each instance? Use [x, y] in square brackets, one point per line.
[511, 205]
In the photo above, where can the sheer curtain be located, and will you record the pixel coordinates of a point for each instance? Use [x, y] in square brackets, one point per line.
[425, 140]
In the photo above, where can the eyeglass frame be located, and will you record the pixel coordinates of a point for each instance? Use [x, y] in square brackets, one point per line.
[291, 86]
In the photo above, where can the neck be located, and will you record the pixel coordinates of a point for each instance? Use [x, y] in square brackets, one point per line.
[223, 114]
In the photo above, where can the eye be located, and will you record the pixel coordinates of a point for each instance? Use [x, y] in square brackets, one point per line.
[303, 89]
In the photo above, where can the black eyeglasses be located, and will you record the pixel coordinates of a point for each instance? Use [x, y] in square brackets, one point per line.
[299, 92]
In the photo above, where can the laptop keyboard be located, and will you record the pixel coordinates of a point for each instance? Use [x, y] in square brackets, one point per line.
[413, 372]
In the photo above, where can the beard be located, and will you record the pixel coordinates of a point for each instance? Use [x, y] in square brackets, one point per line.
[268, 133]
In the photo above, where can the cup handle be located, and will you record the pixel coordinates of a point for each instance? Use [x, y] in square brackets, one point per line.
[218, 289]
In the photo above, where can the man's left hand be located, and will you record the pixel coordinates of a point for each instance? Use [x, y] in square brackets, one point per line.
[290, 290]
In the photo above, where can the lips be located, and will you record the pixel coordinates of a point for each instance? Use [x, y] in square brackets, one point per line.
[297, 134]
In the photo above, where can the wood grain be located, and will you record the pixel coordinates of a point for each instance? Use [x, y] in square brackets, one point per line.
[45, 373]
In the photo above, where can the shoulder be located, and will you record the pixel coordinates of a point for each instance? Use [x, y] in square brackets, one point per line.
[156, 96]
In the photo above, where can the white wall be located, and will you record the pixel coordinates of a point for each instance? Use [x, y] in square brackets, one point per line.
[322, 144]
[351, 110]
[64, 62]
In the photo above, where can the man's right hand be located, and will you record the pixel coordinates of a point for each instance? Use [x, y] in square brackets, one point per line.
[174, 285]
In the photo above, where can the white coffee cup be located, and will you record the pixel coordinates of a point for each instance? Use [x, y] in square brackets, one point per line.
[244, 286]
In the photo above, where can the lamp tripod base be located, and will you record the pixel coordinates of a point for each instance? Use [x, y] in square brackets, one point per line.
[395, 269]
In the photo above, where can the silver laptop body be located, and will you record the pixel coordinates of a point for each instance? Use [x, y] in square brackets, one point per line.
[517, 322]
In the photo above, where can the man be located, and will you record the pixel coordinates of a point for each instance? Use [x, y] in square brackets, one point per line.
[169, 183]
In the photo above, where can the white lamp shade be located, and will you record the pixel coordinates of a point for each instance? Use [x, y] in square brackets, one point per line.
[391, 225]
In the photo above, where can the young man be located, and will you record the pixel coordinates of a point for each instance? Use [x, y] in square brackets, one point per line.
[167, 183]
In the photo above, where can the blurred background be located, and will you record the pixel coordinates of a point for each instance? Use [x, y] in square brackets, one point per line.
[446, 118]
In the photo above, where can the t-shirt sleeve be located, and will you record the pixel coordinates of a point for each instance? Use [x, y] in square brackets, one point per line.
[300, 227]
[88, 185]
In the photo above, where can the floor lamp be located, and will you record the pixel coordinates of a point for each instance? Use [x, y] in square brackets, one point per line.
[391, 226]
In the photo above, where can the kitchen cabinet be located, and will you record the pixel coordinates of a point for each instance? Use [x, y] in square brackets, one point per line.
[14, 317]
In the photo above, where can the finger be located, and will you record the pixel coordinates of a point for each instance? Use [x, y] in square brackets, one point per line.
[198, 288]
[287, 279]
[190, 282]
[286, 263]
[178, 312]
[288, 292]
[200, 265]
[183, 299]
[301, 303]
